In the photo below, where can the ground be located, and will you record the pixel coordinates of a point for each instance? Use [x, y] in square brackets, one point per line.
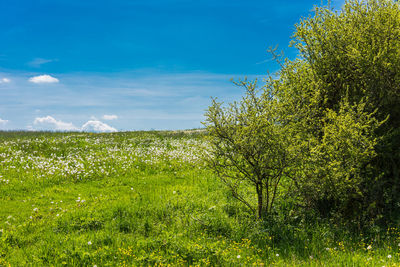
[148, 199]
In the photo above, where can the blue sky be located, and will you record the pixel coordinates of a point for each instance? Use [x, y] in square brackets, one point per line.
[133, 64]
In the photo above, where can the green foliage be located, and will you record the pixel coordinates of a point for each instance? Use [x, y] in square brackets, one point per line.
[332, 166]
[351, 57]
[249, 147]
[355, 52]
[332, 117]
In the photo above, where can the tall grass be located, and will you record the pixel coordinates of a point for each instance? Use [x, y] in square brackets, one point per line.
[146, 198]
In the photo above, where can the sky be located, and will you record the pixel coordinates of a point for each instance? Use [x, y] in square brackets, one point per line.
[123, 65]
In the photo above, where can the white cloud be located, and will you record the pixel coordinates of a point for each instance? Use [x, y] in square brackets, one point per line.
[97, 126]
[38, 62]
[53, 124]
[43, 79]
[50, 123]
[3, 122]
[110, 117]
[5, 80]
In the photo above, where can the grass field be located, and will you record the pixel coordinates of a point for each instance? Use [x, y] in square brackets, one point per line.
[147, 199]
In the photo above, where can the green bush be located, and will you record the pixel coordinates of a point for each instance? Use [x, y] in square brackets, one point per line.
[249, 147]
[353, 56]
[330, 122]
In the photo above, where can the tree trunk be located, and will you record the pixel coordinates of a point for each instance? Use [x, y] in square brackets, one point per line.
[260, 200]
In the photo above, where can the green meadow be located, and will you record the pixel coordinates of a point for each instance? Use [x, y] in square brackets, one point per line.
[148, 199]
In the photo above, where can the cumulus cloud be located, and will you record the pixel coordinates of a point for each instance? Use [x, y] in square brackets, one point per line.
[110, 117]
[43, 79]
[97, 126]
[52, 124]
[3, 122]
[5, 80]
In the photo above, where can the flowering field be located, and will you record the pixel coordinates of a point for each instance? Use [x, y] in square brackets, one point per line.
[146, 198]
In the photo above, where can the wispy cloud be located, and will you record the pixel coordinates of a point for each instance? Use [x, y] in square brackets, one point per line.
[43, 79]
[141, 100]
[110, 117]
[38, 62]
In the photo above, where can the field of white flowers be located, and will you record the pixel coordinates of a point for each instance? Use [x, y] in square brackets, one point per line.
[146, 199]
[85, 157]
